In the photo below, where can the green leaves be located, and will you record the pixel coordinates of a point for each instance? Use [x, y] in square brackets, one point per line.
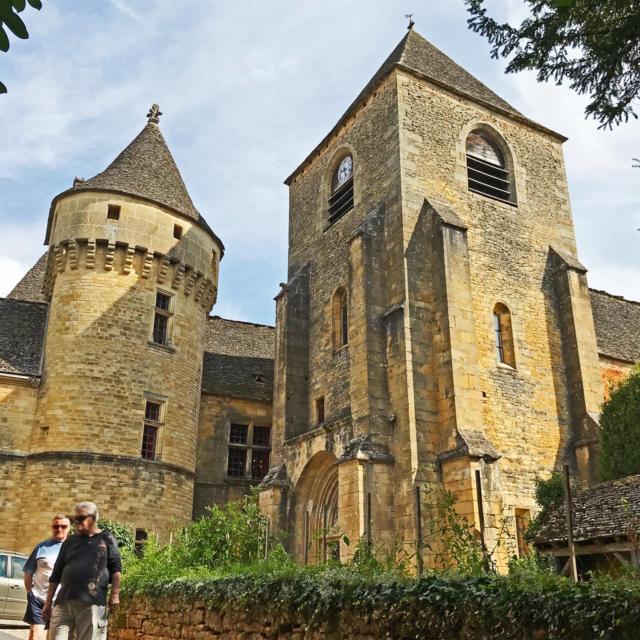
[11, 22]
[620, 430]
[590, 45]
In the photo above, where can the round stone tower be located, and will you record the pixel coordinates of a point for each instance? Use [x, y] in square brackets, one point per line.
[131, 278]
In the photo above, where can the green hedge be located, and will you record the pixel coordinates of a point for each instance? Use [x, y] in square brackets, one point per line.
[435, 606]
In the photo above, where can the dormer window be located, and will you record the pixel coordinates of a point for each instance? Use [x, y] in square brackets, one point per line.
[487, 170]
[341, 198]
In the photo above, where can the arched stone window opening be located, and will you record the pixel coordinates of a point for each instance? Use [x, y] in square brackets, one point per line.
[504, 335]
[340, 318]
[341, 191]
[489, 171]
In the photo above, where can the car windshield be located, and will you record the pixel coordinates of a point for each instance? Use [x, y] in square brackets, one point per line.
[3, 566]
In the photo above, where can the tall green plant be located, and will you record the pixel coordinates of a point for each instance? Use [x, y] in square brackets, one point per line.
[549, 494]
[620, 430]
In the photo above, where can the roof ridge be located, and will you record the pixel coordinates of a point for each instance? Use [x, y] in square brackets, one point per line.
[614, 296]
[22, 301]
[247, 322]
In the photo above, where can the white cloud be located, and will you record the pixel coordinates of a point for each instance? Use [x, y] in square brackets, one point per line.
[247, 90]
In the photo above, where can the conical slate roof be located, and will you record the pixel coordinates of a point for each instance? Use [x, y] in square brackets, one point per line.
[145, 169]
[419, 57]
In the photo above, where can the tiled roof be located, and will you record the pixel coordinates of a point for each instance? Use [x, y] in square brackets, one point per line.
[30, 288]
[238, 359]
[238, 376]
[415, 54]
[236, 338]
[22, 328]
[605, 510]
[146, 169]
[617, 324]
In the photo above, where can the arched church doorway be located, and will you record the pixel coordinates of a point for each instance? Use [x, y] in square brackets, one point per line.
[317, 533]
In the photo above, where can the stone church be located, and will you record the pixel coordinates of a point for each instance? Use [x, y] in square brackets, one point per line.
[436, 330]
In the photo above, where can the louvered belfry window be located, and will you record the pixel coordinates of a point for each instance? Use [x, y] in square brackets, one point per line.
[341, 198]
[487, 172]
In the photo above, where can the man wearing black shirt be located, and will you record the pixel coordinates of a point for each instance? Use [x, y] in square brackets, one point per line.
[88, 562]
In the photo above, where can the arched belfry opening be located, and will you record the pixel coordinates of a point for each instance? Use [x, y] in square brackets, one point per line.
[317, 534]
[489, 166]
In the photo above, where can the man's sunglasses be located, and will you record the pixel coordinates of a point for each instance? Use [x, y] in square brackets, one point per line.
[59, 526]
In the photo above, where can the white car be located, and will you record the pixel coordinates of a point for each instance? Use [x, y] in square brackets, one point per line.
[13, 595]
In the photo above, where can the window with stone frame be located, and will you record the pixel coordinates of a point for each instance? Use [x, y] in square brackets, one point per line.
[341, 197]
[523, 520]
[503, 332]
[141, 539]
[152, 429]
[340, 319]
[320, 410]
[249, 450]
[162, 318]
[488, 172]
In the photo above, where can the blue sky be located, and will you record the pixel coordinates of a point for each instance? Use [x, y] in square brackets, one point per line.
[248, 88]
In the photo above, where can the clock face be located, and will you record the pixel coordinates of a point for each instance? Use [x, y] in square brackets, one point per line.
[345, 171]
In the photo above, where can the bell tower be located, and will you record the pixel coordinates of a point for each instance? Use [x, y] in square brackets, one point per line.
[131, 278]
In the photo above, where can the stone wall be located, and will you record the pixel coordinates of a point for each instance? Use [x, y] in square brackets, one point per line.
[212, 486]
[168, 619]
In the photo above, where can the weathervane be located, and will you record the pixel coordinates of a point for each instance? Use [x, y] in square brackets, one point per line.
[154, 114]
[411, 21]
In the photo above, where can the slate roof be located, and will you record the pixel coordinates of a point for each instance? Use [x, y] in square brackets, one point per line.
[417, 55]
[602, 511]
[145, 169]
[617, 324]
[238, 359]
[22, 328]
[237, 338]
[31, 287]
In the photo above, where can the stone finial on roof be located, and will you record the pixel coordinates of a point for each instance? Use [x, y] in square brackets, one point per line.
[154, 114]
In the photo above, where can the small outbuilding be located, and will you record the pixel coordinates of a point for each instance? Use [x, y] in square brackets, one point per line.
[606, 528]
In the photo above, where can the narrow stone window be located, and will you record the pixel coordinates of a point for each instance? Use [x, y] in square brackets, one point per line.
[153, 419]
[249, 444]
[340, 315]
[523, 519]
[162, 317]
[341, 198]
[140, 541]
[320, 410]
[504, 335]
[487, 170]
[177, 231]
[113, 212]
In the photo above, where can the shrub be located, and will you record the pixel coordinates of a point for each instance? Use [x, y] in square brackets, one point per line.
[123, 533]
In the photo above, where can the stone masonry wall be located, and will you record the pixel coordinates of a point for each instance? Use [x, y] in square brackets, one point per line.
[525, 412]
[144, 494]
[212, 486]
[164, 619]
